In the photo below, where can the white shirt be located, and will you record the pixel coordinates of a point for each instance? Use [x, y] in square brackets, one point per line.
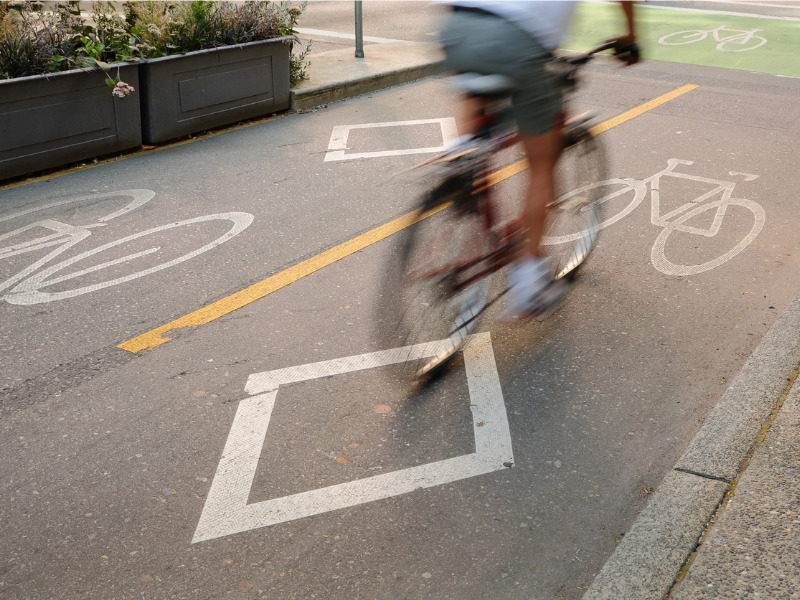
[546, 20]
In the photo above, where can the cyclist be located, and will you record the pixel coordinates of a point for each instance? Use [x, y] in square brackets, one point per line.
[516, 38]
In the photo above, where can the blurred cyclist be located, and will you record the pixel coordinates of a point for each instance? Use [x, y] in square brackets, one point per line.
[516, 38]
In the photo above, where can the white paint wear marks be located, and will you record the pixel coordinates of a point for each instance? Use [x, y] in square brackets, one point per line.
[226, 510]
[337, 146]
[676, 220]
[734, 40]
[26, 286]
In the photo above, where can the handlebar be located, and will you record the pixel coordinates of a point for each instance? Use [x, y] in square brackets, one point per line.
[629, 53]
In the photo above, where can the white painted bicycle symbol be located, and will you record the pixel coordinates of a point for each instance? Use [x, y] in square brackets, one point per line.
[26, 286]
[676, 220]
[735, 40]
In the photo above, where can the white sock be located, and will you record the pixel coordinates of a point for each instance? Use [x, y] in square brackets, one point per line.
[529, 271]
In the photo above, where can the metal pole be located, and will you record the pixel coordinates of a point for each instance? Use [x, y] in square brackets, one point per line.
[359, 31]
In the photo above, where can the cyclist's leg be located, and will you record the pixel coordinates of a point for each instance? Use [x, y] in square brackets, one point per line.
[536, 107]
[488, 44]
[532, 292]
[542, 152]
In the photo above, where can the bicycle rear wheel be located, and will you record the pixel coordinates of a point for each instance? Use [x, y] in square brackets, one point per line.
[574, 219]
[438, 280]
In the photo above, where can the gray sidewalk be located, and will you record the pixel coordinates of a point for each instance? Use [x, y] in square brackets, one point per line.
[752, 550]
[337, 74]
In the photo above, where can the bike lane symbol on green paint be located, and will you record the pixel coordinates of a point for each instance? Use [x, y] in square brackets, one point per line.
[765, 45]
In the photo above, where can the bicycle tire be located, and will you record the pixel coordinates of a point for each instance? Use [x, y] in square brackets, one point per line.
[575, 218]
[422, 298]
[28, 291]
[658, 252]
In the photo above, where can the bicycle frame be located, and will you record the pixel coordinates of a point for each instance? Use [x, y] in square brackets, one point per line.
[496, 135]
[65, 235]
[445, 265]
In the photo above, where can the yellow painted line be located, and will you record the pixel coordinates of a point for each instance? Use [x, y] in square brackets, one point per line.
[151, 339]
[505, 173]
[639, 110]
[215, 310]
[521, 165]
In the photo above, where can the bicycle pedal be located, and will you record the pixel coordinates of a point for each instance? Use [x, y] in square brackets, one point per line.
[580, 119]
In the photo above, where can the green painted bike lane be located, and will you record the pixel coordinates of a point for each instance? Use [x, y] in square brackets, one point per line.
[660, 30]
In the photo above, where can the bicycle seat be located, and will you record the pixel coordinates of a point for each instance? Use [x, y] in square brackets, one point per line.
[476, 84]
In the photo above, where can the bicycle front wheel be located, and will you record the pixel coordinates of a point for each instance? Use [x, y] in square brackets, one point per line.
[438, 281]
[576, 217]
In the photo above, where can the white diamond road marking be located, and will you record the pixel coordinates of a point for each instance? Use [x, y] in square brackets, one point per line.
[226, 510]
[338, 142]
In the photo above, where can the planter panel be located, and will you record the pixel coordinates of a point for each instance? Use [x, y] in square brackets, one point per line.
[201, 90]
[54, 120]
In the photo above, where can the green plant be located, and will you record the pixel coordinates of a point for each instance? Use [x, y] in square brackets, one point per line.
[298, 61]
[193, 29]
[150, 23]
[33, 41]
[113, 32]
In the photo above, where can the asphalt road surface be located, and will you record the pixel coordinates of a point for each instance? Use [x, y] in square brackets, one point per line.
[242, 459]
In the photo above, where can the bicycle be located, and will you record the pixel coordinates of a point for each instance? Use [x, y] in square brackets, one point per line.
[25, 286]
[617, 192]
[440, 282]
[740, 37]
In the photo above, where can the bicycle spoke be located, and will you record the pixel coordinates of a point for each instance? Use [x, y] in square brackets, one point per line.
[438, 287]
[574, 219]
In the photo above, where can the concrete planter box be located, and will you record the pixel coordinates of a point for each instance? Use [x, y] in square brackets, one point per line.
[201, 90]
[52, 120]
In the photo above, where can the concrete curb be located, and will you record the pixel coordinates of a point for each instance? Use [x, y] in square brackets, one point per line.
[665, 534]
[338, 74]
[323, 94]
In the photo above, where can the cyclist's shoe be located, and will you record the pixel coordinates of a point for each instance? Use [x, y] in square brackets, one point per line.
[533, 294]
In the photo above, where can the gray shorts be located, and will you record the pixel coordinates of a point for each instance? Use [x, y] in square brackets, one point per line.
[488, 44]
